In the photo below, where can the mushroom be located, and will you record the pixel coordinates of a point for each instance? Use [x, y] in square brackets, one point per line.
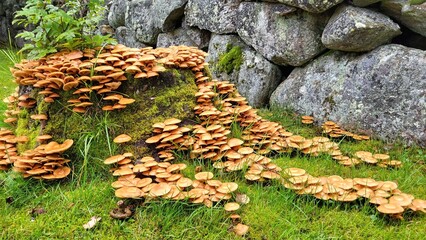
[231, 207]
[122, 138]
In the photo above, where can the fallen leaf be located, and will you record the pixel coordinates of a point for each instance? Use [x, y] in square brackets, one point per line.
[90, 224]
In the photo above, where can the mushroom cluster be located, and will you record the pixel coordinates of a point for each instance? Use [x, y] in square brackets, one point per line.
[151, 179]
[44, 162]
[335, 131]
[379, 159]
[100, 71]
[8, 148]
[307, 119]
[385, 194]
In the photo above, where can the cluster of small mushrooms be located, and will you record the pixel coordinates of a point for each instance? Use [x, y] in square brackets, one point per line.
[385, 194]
[100, 71]
[8, 148]
[220, 108]
[44, 162]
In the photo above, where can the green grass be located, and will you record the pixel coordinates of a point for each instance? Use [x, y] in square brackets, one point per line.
[7, 58]
[273, 212]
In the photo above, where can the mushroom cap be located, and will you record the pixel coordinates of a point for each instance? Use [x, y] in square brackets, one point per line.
[245, 150]
[402, 200]
[378, 200]
[54, 147]
[172, 121]
[296, 139]
[61, 172]
[235, 142]
[122, 138]
[160, 189]
[270, 175]
[232, 206]
[294, 172]
[184, 182]
[204, 176]
[154, 139]
[126, 101]
[381, 156]
[227, 187]
[241, 229]
[418, 204]
[44, 137]
[129, 192]
[39, 117]
[114, 159]
[390, 208]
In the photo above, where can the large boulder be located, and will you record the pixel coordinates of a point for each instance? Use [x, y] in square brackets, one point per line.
[149, 18]
[357, 29]
[282, 34]
[185, 35]
[381, 92]
[127, 37]
[311, 6]
[254, 76]
[117, 13]
[412, 16]
[218, 16]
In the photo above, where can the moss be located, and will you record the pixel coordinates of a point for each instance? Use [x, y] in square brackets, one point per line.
[27, 127]
[171, 95]
[231, 60]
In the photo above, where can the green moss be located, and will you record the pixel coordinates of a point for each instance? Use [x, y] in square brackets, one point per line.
[27, 127]
[231, 60]
[171, 95]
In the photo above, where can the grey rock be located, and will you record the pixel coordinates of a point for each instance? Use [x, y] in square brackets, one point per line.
[280, 33]
[189, 36]
[357, 29]
[218, 16]
[382, 92]
[149, 18]
[3, 30]
[126, 37]
[411, 16]
[255, 78]
[2, 10]
[117, 13]
[364, 3]
[314, 6]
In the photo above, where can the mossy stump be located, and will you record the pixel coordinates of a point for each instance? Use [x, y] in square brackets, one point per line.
[169, 95]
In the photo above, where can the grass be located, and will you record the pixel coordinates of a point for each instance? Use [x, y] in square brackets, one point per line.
[273, 212]
[8, 57]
